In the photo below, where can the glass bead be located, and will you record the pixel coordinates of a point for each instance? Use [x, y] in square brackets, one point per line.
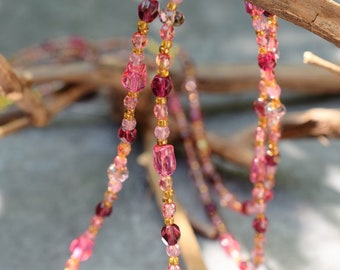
[168, 210]
[165, 183]
[190, 85]
[129, 124]
[267, 61]
[170, 234]
[164, 160]
[272, 160]
[161, 86]
[117, 175]
[103, 210]
[260, 224]
[110, 196]
[179, 18]
[173, 250]
[261, 40]
[114, 186]
[139, 40]
[248, 208]
[124, 149]
[127, 136]
[174, 267]
[257, 170]
[253, 10]
[97, 221]
[245, 265]
[260, 107]
[167, 32]
[163, 61]
[148, 10]
[120, 162]
[210, 208]
[258, 192]
[160, 111]
[136, 59]
[229, 244]
[166, 16]
[274, 91]
[82, 247]
[135, 81]
[268, 195]
[130, 102]
[162, 133]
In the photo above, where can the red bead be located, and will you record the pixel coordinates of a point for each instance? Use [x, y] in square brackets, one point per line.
[260, 224]
[164, 160]
[161, 86]
[170, 234]
[103, 210]
[272, 160]
[260, 107]
[148, 10]
[127, 136]
[266, 61]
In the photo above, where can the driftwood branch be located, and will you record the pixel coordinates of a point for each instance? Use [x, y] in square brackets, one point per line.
[321, 17]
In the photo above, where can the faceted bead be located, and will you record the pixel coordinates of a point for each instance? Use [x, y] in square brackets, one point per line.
[160, 111]
[272, 160]
[261, 40]
[161, 86]
[260, 107]
[257, 170]
[128, 124]
[161, 133]
[139, 40]
[253, 10]
[135, 81]
[260, 224]
[136, 59]
[248, 208]
[124, 149]
[163, 61]
[166, 16]
[179, 18]
[103, 210]
[170, 234]
[167, 32]
[173, 250]
[169, 210]
[82, 247]
[268, 195]
[114, 186]
[266, 61]
[148, 10]
[117, 175]
[174, 267]
[127, 136]
[258, 192]
[260, 23]
[230, 245]
[130, 102]
[274, 91]
[97, 221]
[120, 162]
[164, 160]
[165, 183]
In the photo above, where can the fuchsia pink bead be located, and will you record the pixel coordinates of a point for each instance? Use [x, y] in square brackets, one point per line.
[148, 10]
[161, 86]
[103, 210]
[127, 136]
[164, 160]
[170, 234]
[260, 224]
[82, 247]
[134, 79]
[267, 61]
[260, 107]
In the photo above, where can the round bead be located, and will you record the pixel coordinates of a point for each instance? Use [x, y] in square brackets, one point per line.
[139, 40]
[82, 247]
[267, 61]
[173, 250]
[162, 133]
[148, 10]
[163, 61]
[130, 102]
[129, 124]
[179, 18]
[161, 86]
[168, 210]
[170, 234]
[167, 32]
[117, 175]
[103, 210]
[174, 267]
[120, 162]
[165, 183]
[260, 224]
[127, 136]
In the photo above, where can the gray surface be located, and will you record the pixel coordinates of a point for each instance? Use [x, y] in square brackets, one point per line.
[52, 178]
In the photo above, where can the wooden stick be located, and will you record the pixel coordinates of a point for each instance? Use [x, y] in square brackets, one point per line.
[310, 58]
[321, 17]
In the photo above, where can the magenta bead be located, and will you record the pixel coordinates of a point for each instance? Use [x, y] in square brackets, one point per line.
[267, 61]
[127, 136]
[272, 161]
[258, 192]
[164, 160]
[97, 221]
[103, 210]
[170, 234]
[82, 247]
[268, 195]
[161, 86]
[260, 224]
[173, 250]
[148, 10]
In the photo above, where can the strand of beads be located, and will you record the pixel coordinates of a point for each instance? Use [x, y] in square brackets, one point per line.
[163, 153]
[134, 79]
[269, 110]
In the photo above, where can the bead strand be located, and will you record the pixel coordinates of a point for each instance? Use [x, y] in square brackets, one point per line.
[164, 159]
[134, 80]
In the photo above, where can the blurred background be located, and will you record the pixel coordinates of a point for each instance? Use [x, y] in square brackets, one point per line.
[51, 178]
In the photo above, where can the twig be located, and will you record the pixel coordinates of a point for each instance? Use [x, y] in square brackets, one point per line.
[310, 58]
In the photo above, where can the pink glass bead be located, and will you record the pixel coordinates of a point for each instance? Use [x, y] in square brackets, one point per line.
[130, 102]
[260, 107]
[176, 1]
[260, 224]
[148, 10]
[266, 61]
[160, 111]
[133, 80]
[260, 151]
[82, 247]
[210, 209]
[165, 183]
[251, 9]
[274, 91]
[248, 208]
[164, 160]
[229, 244]
[166, 16]
[272, 160]
[260, 23]
[260, 208]
[258, 192]
[167, 32]
[114, 186]
[170, 234]
[174, 267]
[128, 124]
[163, 61]
[268, 195]
[136, 59]
[226, 199]
[161, 86]
[97, 221]
[120, 162]
[127, 136]
[103, 210]
[267, 75]
[271, 170]
[275, 136]
[139, 40]
[162, 133]
[117, 175]
[246, 266]
[257, 170]
[173, 250]
[168, 210]
[261, 40]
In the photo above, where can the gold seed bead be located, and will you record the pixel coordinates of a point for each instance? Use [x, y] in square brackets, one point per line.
[162, 142]
[137, 50]
[173, 260]
[262, 122]
[133, 94]
[260, 33]
[172, 6]
[163, 72]
[167, 44]
[169, 221]
[93, 230]
[160, 100]
[162, 122]
[143, 27]
[262, 50]
[167, 200]
[164, 50]
[168, 193]
[129, 114]
[107, 204]
[259, 143]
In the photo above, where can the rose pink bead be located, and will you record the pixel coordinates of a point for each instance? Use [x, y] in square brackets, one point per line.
[174, 267]
[97, 221]
[260, 134]
[164, 160]
[148, 10]
[267, 61]
[229, 244]
[169, 210]
[252, 9]
[161, 133]
[160, 111]
[115, 186]
[136, 59]
[260, 23]
[163, 61]
[81, 247]
[130, 102]
[161, 86]
[258, 192]
[128, 124]
[248, 208]
[173, 250]
[261, 40]
[269, 195]
[170, 234]
[167, 32]
[165, 183]
[257, 170]
[260, 107]
[120, 163]
[135, 81]
[139, 40]
[117, 175]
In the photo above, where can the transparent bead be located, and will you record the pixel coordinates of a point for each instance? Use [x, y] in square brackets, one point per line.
[116, 175]
[168, 210]
[167, 16]
[129, 124]
[173, 250]
[160, 111]
[139, 40]
[130, 102]
[162, 133]
[136, 59]
[163, 61]
[164, 160]
[170, 234]
[165, 183]
[82, 247]
[167, 32]
[179, 18]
